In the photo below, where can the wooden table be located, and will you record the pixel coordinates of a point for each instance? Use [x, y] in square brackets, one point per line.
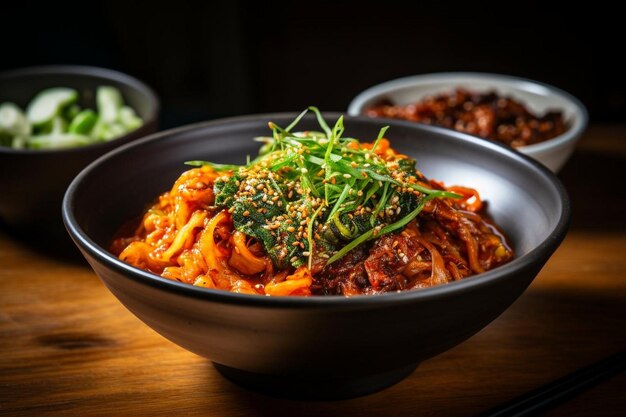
[67, 347]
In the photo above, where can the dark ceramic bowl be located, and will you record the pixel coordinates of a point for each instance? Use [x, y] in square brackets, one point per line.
[32, 182]
[317, 347]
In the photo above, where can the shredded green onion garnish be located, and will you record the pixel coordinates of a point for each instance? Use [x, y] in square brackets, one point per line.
[318, 191]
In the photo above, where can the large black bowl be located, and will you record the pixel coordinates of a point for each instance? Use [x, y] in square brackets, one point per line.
[317, 347]
[32, 182]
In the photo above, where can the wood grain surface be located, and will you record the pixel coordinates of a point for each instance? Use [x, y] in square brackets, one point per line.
[68, 347]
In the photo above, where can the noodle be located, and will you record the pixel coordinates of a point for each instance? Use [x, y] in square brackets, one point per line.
[193, 235]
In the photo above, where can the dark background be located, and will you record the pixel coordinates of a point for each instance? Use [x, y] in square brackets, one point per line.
[210, 60]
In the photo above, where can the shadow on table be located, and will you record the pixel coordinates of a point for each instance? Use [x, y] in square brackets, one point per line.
[53, 243]
[570, 317]
[598, 194]
[250, 403]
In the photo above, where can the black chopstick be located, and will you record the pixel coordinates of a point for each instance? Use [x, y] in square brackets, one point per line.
[557, 392]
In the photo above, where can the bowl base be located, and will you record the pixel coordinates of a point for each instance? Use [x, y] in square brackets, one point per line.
[314, 387]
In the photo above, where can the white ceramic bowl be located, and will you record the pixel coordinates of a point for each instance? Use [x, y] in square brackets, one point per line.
[538, 97]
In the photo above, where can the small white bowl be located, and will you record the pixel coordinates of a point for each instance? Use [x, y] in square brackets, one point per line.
[536, 96]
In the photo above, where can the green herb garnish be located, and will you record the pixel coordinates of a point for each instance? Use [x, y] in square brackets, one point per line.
[318, 191]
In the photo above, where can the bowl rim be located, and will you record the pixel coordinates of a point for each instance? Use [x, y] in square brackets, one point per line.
[102, 255]
[580, 118]
[78, 70]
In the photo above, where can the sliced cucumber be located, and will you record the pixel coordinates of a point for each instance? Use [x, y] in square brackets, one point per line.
[71, 111]
[54, 120]
[19, 142]
[12, 121]
[49, 103]
[58, 141]
[99, 130]
[59, 125]
[107, 131]
[112, 131]
[109, 101]
[129, 118]
[83, 122]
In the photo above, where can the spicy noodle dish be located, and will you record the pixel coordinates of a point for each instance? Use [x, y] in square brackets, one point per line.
[315, 213]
